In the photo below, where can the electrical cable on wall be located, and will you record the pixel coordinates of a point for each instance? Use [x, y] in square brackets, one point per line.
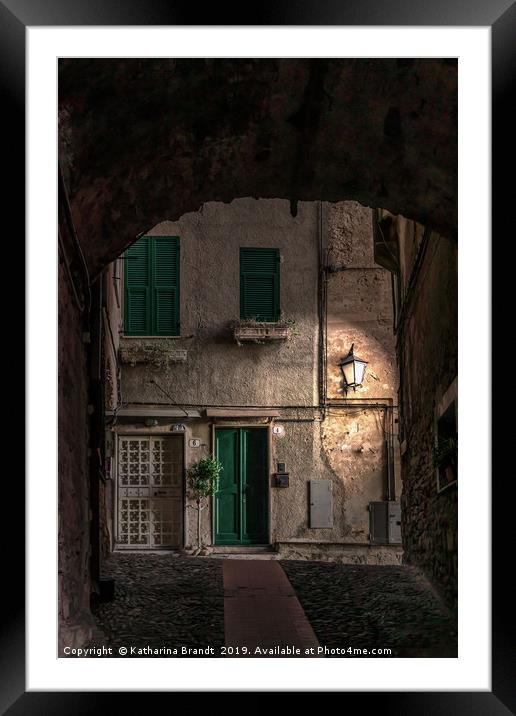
[155, 382]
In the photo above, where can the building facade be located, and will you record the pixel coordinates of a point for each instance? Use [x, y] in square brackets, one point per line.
[223, 336]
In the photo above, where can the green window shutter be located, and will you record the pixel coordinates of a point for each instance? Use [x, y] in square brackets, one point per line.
[152, 287]
[137, 308]
[166, 286]
[259, 284]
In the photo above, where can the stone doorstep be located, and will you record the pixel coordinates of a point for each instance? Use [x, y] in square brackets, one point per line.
[245, 552]
[242, 549]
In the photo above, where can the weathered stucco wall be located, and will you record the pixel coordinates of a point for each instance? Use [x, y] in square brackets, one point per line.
[360, 312]
[217, 371]
[344, 443]
[360, 307]
[324, 450]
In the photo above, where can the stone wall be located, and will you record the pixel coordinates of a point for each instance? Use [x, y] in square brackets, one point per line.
[111, 321]
[143, 140]
[73, 482]
[427, 350]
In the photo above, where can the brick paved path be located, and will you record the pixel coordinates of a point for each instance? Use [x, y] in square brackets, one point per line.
[174, 600]
[262, 613]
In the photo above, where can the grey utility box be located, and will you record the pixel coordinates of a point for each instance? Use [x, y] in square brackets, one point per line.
[321, 504]
[385, 522]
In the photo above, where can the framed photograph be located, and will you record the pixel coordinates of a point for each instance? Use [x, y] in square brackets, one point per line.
[254, 248]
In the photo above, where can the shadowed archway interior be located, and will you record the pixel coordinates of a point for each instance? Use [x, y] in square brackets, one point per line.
[146, 140]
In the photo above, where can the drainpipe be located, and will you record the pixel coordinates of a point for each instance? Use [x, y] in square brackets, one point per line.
[389, 453]
[322, 310]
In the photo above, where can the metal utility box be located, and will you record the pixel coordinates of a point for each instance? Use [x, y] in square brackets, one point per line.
[281, 479]
[385, 522]
[321, 504]
[394, 523]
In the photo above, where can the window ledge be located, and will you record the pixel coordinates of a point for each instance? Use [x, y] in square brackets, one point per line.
[260, 332]
[157, 351]
[125, 337]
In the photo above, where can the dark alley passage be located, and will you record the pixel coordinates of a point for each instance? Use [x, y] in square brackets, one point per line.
[250, 357]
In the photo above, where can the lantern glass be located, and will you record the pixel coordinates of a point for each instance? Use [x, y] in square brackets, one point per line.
[359, 371]
[353, 369]
[348, 370]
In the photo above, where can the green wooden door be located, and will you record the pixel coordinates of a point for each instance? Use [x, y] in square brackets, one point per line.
[241, 500]
[227, 498]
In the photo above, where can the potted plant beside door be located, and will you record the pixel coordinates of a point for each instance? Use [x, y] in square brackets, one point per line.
[203, 478]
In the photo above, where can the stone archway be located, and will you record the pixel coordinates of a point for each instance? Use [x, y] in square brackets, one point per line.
[142, 140]
[147, 139]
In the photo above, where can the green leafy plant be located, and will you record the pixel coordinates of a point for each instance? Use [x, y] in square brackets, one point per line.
[445, 460]
[203, 478]
[446, 452]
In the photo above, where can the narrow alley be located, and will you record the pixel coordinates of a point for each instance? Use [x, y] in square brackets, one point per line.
[258, 357]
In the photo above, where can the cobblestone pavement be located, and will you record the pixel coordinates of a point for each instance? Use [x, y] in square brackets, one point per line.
[178, 601]
[163, 600]
[366, 606]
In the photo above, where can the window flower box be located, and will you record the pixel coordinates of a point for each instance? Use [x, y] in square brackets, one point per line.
[258, 332]
[160, 353]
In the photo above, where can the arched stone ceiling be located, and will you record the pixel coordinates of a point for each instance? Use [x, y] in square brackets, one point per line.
[143, 140]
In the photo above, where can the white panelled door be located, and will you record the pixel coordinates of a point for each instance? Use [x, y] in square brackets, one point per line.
[150, 491]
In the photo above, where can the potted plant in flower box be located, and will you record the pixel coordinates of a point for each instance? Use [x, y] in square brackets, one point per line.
[446, 459]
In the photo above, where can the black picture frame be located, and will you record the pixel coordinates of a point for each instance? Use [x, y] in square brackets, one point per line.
[500, 15]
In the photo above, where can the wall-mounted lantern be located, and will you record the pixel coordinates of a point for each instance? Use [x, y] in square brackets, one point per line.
[353, 369]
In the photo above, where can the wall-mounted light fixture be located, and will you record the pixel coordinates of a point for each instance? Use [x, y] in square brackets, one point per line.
[151, 422]
[353, 369]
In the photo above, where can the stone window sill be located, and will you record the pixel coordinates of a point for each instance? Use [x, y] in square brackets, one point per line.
[157, 350]
[261, 332]
[123, 337]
